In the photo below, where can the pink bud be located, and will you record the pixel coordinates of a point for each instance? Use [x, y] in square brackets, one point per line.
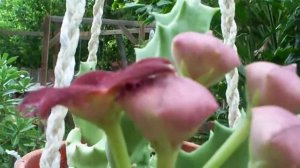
[168, 108]
[287, 144]
[274, 138]
[203, 57]
[271, 84]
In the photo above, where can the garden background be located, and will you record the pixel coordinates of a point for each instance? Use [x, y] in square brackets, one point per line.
[267, 30]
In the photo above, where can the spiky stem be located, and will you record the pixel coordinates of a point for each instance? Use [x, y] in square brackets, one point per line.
[231, 144]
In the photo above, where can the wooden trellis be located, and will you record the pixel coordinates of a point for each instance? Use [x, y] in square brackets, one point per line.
[51, 38]
[125, 27]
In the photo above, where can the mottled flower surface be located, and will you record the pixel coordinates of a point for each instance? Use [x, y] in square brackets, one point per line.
[274, 138]
[203, 57]
[271, 84]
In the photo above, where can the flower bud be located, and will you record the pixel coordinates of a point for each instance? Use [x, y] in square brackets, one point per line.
[168, 108]
[203, 57]
[274, 138]
[271, 84]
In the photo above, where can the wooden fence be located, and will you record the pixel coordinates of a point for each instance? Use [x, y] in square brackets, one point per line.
[51, 38]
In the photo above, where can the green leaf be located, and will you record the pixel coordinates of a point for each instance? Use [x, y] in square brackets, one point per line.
[199, 157]
[141, 10]
[163, 2]
[8, 92]
[15, 141]
[11, 60]
[28, 127]
[1, 150]
[133, 5]
[4, 56]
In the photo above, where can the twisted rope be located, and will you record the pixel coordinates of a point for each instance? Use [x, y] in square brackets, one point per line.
[64, 72]
[95, 30]
[229, 31]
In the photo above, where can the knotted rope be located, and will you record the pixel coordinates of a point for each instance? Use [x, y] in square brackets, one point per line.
[229, 31]
[95, 30]
[64, 72]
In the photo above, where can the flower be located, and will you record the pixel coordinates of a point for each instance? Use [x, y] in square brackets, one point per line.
[203, 57]
[274, 137]
[92, 96]
[271, 84]
[165, 107]
[168, 107]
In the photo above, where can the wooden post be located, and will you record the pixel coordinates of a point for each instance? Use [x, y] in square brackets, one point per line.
[121, 49]
[142, 34]
[45, 51]
[55, 46]
[127, 33]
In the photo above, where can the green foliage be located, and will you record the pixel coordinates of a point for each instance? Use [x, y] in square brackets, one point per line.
[27, 48]
[26, 15]
[275, 31]
[16, 132]
[294, 56]
[23, 15]
[12, 81]
[109, 58]
[266, 29]
[167, 27]
[144, 9]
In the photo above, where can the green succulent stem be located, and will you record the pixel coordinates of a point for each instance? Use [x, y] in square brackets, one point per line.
[117, 145]
[167, 159]
[231, 144]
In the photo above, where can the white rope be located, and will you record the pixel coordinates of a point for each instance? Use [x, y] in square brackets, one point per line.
[95, 30]
[229, 32]
[64, 72]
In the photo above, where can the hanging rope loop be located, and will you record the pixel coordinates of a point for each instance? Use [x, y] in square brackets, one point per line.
[95, 30]
[64, 72]
[229, 31]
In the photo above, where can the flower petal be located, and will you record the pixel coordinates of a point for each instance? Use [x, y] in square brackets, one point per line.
[271, 84]
[87, 102]
[203, 57]
[286, 146]
[135, 72]
[283, 89]
[267, 123]
[92, 96]
[168, 107]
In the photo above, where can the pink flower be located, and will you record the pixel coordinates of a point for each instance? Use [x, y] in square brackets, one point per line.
[203, 57]
[92, 96]
[165, 106]
[271, 84]
[274, 138]
[168, 107]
